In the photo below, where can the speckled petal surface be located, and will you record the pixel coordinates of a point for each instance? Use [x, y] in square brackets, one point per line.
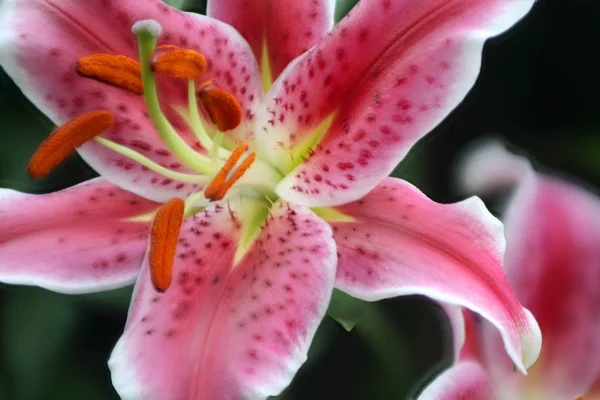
[389, 72]
[224, 332]
[287, 28]
[41, 41]
[402, 243]
[77, 240]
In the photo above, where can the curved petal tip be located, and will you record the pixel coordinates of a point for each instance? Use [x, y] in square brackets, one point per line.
[531, 341]
[487, 167]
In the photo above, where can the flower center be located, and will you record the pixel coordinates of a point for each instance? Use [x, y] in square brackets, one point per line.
[214, 164]
[219, 168]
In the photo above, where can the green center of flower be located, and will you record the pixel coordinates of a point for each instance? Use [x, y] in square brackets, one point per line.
[224, 167]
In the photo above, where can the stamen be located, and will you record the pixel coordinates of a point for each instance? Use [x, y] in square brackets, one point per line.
[219, 179]
[178, 63]
[116, 70]
[222, 107]
[146, 162]
[197, 125]
[163, 242]
[237, 174]
[63, 141]
[146, 31]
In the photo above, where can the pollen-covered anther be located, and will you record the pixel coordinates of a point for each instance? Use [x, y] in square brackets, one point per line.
[221, 106]
[220, 184]
[62, 142]
[164, 235]
[237, 174]
[116, 70]
[178, 63]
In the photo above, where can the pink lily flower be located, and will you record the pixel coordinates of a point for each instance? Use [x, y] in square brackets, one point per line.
[241, 261]
[552, 262]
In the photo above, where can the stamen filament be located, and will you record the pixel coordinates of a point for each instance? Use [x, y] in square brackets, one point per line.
[216, 149]
[145, 161]
[214, 186]
[191, 201]
[194, 160]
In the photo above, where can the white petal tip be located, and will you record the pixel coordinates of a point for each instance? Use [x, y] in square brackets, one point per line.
[531, 341]
[148, 26]
[488, 167]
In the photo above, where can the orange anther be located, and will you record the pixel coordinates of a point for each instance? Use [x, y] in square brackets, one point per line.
[222, 107]
[178, 63]
[167, 47]
[120, 71]
[163, 242]
[214, 186]
[237, 174]
[62, 142]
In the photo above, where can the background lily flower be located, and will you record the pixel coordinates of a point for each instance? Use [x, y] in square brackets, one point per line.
[552, 262]
[250, 283]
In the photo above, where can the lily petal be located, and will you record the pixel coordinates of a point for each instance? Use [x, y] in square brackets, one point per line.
[466, 380]
[284, 29]
[77, 240]
[457, 325]
[552, 262]
[387, 75]
[223, 330]
[402, 243]
[488, 168]
[42, 62]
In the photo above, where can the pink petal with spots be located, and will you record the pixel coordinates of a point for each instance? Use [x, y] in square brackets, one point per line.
[42, 63]
[553, 262]
[74, 241]
[390, 71]
[224, 332]
[289, 28]
[466, 380]
[403, 243]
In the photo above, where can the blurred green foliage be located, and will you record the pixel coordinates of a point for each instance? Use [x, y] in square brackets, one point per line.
[537, 88]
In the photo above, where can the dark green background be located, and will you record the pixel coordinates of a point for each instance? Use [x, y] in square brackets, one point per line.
[539, 88]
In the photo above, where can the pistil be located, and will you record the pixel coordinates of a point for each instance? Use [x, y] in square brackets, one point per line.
[147, 33]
